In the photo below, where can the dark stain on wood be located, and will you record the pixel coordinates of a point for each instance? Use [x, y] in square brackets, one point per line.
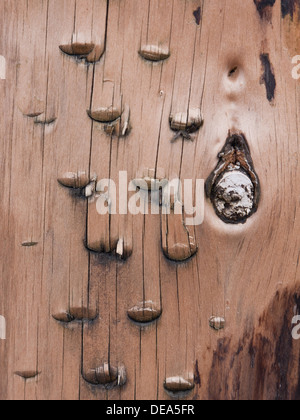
[268, 77]
[264, 8]
[29, 244]
[233, 71]
[297, 301]
[197, 376]
[288, 7]
[283, 356]
[255, 368]
[198, 15]
[216, 380]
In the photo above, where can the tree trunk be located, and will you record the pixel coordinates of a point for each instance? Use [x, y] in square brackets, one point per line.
[124, 306]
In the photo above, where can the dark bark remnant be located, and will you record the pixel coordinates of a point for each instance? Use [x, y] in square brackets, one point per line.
[265, 363]
[268, 77]
[288, 7]
[264, 8]
[198, 15]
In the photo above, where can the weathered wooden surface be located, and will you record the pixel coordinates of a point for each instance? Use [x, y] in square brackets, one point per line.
[70, 310]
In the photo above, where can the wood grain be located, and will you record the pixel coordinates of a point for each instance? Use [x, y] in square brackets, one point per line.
[78, 289]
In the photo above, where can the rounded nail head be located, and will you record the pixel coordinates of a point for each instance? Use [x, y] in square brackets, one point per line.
[116, 121]
[77, 48]
[76, 315]
[145, 312]
[154, 53]
[107, 376]
[83, 50]
[217, 323]
[74, 180]
[64, 317]
[105, 115]
[178, 384]
[181, 252]
[30, 374]
[190, 121]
